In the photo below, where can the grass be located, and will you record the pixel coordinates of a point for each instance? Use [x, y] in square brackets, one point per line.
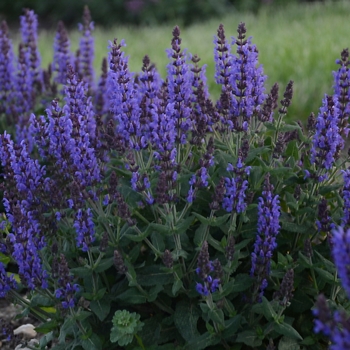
[298, 42]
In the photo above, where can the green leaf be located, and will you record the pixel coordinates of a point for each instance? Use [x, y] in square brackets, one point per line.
[325, 275]
[242, 283]
[100, 308]
[295, 228]
[288, 344]
[47, 327]
[231, 326]
[287, 330]
[153, 275]
[184, 225]
[268, 310]
[164, 229]
[176, 287]
[104, 265]
[81, 271]
[256, 152]
[92, 343]
[215, 222]
[185, 319]
[138, 237]
[201, 218]
[132, 296]
[292, 150]
[249, 338]
[201, 342]
[158, 241]
[153, 293]
[199, 235]
[217, 316]
[304, 261]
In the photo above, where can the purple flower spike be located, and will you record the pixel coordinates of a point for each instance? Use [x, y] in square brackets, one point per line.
[179, 87]
[62, 57]
[85, 57]
[85, 229]
[236, 188]
[265, 244]
[6, 70]
[341, 255]
[327, 142]
[204, 268]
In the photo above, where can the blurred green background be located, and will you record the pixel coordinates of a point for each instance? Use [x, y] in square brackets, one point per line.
[115, 12]
[297, 40]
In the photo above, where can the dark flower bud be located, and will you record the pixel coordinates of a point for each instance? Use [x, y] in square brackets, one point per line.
[308, 248]
[288, 94]
[119, 263]
[167, 259]
[285, 294]
[311, 122]
[297, 192]
[204, 266]
[218, 271]
[230, 248]
[104, 242]
[271, 345]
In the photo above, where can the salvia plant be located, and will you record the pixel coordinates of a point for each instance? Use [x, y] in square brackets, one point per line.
[138, 213]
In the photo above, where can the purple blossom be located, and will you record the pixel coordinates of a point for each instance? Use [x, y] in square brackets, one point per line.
[236, 187]
[267, 230]
[346, 197]
[342, 91]
[62, 56]
[327, 141]
[67, 290]
[6, 70]
[85, 229]
[204, 269]
[247, 80]
[24, 214]
[29, 30]
[124, 99]
[85, 58]
[341, 255]
[6, 282]
[179, 77]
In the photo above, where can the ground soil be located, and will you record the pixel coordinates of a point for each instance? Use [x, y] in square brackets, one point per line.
[8, 312]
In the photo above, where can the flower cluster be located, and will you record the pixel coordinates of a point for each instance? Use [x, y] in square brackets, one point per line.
[268, 229]
[204, 268]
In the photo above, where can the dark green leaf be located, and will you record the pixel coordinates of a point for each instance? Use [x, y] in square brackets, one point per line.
[184, 225]
[81, 271]
[200, 233]
[293, 227]
[132, 296]
[201, 342]
[92, 343]
[219, 221]
[104, 265]
[201, 218]
[158, 241]
[287, 343]
[185, 319]
[231, 326]
[287, 330]
[153, 293]
[242, 283]
[217, 315]
[101, 308]
[153, 275]
[47, 327]
[325, 275]
[249, 338]
[176, 287]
